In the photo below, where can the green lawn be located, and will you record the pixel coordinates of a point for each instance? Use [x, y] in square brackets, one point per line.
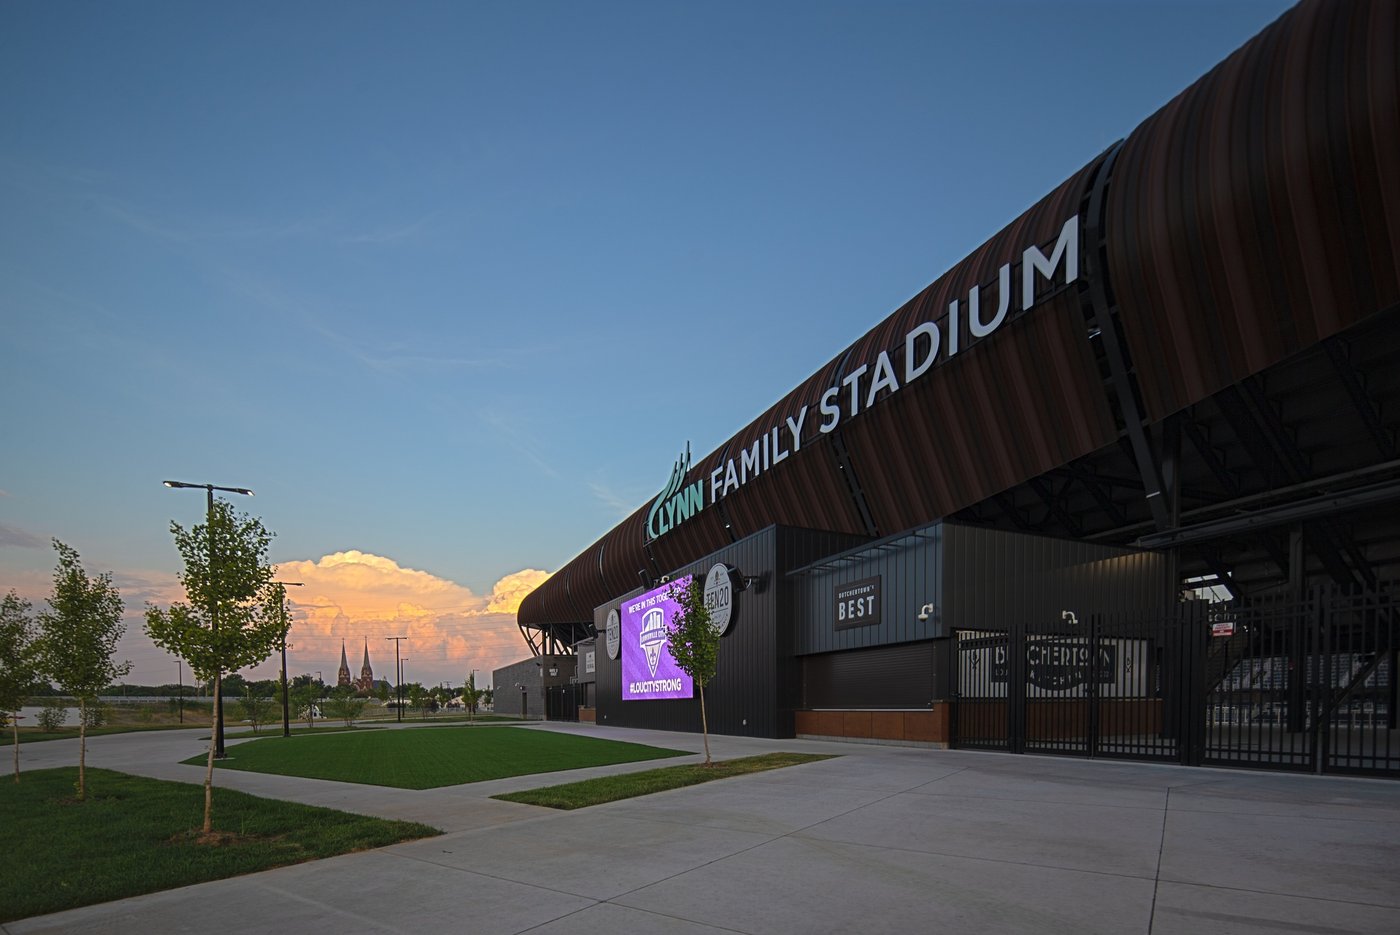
[629, 785]
[136, 835]
[426, 759]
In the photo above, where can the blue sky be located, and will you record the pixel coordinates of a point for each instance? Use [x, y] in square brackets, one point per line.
[449, 285]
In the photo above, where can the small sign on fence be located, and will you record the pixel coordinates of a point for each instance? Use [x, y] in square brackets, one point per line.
[1222, 628]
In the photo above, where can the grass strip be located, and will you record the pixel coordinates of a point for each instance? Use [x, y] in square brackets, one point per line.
[277, 731]
[34, 735]
[135, 835]
[427, 759]
[629, 785]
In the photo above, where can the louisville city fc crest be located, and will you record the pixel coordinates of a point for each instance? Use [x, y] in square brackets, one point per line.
[653, 636]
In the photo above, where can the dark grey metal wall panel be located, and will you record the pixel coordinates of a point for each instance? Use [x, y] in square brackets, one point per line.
[992, 577]
[743, 699]
[905, 676]
[758, 685]
[910, 571]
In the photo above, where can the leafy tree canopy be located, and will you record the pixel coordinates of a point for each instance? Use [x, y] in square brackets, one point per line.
[19, 653]
[233, 591]
[79, 634]
[694, 644]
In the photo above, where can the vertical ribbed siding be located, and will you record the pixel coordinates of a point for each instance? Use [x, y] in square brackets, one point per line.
[992, 578]
[903, 676]
[909, 571]
[1256, 213]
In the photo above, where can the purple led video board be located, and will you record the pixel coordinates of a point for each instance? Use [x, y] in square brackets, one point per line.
[648, 671]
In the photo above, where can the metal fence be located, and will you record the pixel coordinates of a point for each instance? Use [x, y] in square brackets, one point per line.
[562, 701]
[1093, 687]
[1299, 683]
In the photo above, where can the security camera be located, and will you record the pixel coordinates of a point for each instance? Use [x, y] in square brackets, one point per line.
[665, 579]
[925, 612]
[1069, 615]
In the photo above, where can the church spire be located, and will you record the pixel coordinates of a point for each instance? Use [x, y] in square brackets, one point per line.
[344, 676]
[365, 683]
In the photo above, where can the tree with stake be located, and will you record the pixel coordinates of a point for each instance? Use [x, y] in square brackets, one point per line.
[233, 618]
[304, 697]
[694, 643]
[471, 695]
[77, 638]
[19, 660]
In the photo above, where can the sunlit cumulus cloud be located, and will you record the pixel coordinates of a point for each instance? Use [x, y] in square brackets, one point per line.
[363, 598]
[507, 593]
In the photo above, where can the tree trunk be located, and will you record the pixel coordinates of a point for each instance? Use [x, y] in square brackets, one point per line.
[209, 788]
[704, 725]
[15, 724]
[82, 749]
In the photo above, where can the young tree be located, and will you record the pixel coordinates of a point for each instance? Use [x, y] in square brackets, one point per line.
[77, 637]
[471, 695]
[304, 697]
[346, 707]
[256, 707]
[418, 697]
[694, 644]
[19, 660]
[232, 619]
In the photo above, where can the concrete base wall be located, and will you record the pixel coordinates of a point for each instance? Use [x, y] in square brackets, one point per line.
[926, 726]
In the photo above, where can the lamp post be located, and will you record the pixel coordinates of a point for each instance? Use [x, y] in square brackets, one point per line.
[282, 609]
[213, 602]
[398, 676]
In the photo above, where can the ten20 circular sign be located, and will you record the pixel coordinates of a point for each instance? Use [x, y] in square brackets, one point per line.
[720, 596]
[614, 634]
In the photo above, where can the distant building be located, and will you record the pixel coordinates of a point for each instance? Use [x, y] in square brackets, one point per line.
[365, 683]
[343, 678]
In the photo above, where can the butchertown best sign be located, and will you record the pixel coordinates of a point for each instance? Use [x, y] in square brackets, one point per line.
[861, 387]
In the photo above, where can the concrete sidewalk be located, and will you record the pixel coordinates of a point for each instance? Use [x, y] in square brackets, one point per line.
[883, 839]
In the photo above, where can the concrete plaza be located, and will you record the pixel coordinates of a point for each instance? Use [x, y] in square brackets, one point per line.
[881, 839]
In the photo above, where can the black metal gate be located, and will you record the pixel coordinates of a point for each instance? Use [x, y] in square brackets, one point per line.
[1305, 684]
[562, 701]
[1095, 687]
[1278, 683]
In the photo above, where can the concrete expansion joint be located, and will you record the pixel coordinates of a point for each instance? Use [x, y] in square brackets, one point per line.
[1157, 871]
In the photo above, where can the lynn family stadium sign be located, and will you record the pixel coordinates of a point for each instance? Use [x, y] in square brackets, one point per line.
[863, 386]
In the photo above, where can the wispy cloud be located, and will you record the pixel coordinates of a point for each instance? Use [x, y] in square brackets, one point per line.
[398, 358]
[155, 225]
[19, 539]
[622, 504]
[515, 437]
[386, 235]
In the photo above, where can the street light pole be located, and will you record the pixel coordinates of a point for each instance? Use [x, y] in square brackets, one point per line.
[398, 675]
[282, 609]
[213, 603]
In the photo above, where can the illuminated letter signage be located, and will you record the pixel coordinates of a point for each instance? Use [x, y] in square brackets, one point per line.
[858, 603]
[863, 384]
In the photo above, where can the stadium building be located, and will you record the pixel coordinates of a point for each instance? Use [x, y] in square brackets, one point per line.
[1123, 482]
